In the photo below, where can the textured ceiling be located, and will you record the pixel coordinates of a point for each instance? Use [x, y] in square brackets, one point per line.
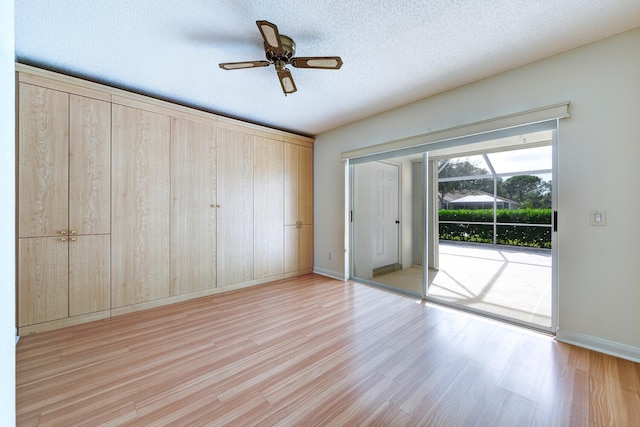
[394, 52]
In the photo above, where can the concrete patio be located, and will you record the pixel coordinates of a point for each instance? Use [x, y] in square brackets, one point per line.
[512, 282]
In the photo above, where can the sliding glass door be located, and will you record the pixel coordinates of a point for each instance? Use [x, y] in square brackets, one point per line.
[467, 225]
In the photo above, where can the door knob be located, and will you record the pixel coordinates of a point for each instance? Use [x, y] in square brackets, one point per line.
[397, 222]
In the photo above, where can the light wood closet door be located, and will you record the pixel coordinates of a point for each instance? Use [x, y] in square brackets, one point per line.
[89, 205]
[89, 283]
[235, 214]
[89, 166]
[305, 247]
[298, 163]
[194, 206]
[268, 209]
[140, 221]
[43, 270]
[298, 248]
[298, 187]
[305, 175]
[43, 156]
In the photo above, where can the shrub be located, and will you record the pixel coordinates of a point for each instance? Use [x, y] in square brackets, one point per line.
[512, 235]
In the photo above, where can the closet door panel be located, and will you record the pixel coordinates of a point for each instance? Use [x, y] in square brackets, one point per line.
[140, 220]
[291, 184]
[89, 274]
[291, 248]
[43, 272]
[193, 209]
[305, 176]
[305, 247]
[43, 155]
[89, 166]
[235, 214]
[268, 209]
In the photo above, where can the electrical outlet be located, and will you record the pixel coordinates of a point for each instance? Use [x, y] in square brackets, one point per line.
[330, 256]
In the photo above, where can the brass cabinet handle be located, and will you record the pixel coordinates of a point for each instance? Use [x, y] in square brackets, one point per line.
[63, 232]
[64, 239]
[74, 232]
[73, 239]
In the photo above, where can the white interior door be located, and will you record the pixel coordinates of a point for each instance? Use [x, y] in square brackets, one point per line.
[386, 214]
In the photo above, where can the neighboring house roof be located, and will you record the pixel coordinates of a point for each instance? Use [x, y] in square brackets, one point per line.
[474, 197]
[481, 198]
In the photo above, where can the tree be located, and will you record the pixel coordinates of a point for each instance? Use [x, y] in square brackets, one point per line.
[529, 190]
[450, 169]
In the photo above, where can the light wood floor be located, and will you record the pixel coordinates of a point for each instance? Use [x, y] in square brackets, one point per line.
[315, 351]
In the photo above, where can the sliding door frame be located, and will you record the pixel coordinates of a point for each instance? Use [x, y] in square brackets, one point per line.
[426, 143]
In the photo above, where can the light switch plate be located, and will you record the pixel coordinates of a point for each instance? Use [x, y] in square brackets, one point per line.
[598, 217]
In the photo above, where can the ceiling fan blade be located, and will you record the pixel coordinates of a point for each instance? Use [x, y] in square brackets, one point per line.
[246, 64]
[271, 36]
[286, 81]
[325, 62]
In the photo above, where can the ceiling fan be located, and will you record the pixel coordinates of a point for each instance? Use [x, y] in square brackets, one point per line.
[279, 50]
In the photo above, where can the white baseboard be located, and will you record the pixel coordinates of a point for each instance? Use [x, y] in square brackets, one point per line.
[598, 344]
[330, 273]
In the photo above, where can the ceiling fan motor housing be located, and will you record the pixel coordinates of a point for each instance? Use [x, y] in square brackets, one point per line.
[288, 46]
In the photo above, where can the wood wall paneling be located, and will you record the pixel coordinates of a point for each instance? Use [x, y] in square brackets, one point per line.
[140, 223]
[194, 206]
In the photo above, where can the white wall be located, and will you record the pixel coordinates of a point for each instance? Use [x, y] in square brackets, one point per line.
[7, 218]
[599, 159]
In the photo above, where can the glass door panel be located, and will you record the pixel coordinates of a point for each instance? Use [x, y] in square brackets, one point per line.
[383, 226]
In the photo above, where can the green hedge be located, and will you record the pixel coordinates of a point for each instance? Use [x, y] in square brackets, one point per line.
[513, 235]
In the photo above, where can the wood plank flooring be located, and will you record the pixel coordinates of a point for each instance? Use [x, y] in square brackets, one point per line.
[315, 351]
